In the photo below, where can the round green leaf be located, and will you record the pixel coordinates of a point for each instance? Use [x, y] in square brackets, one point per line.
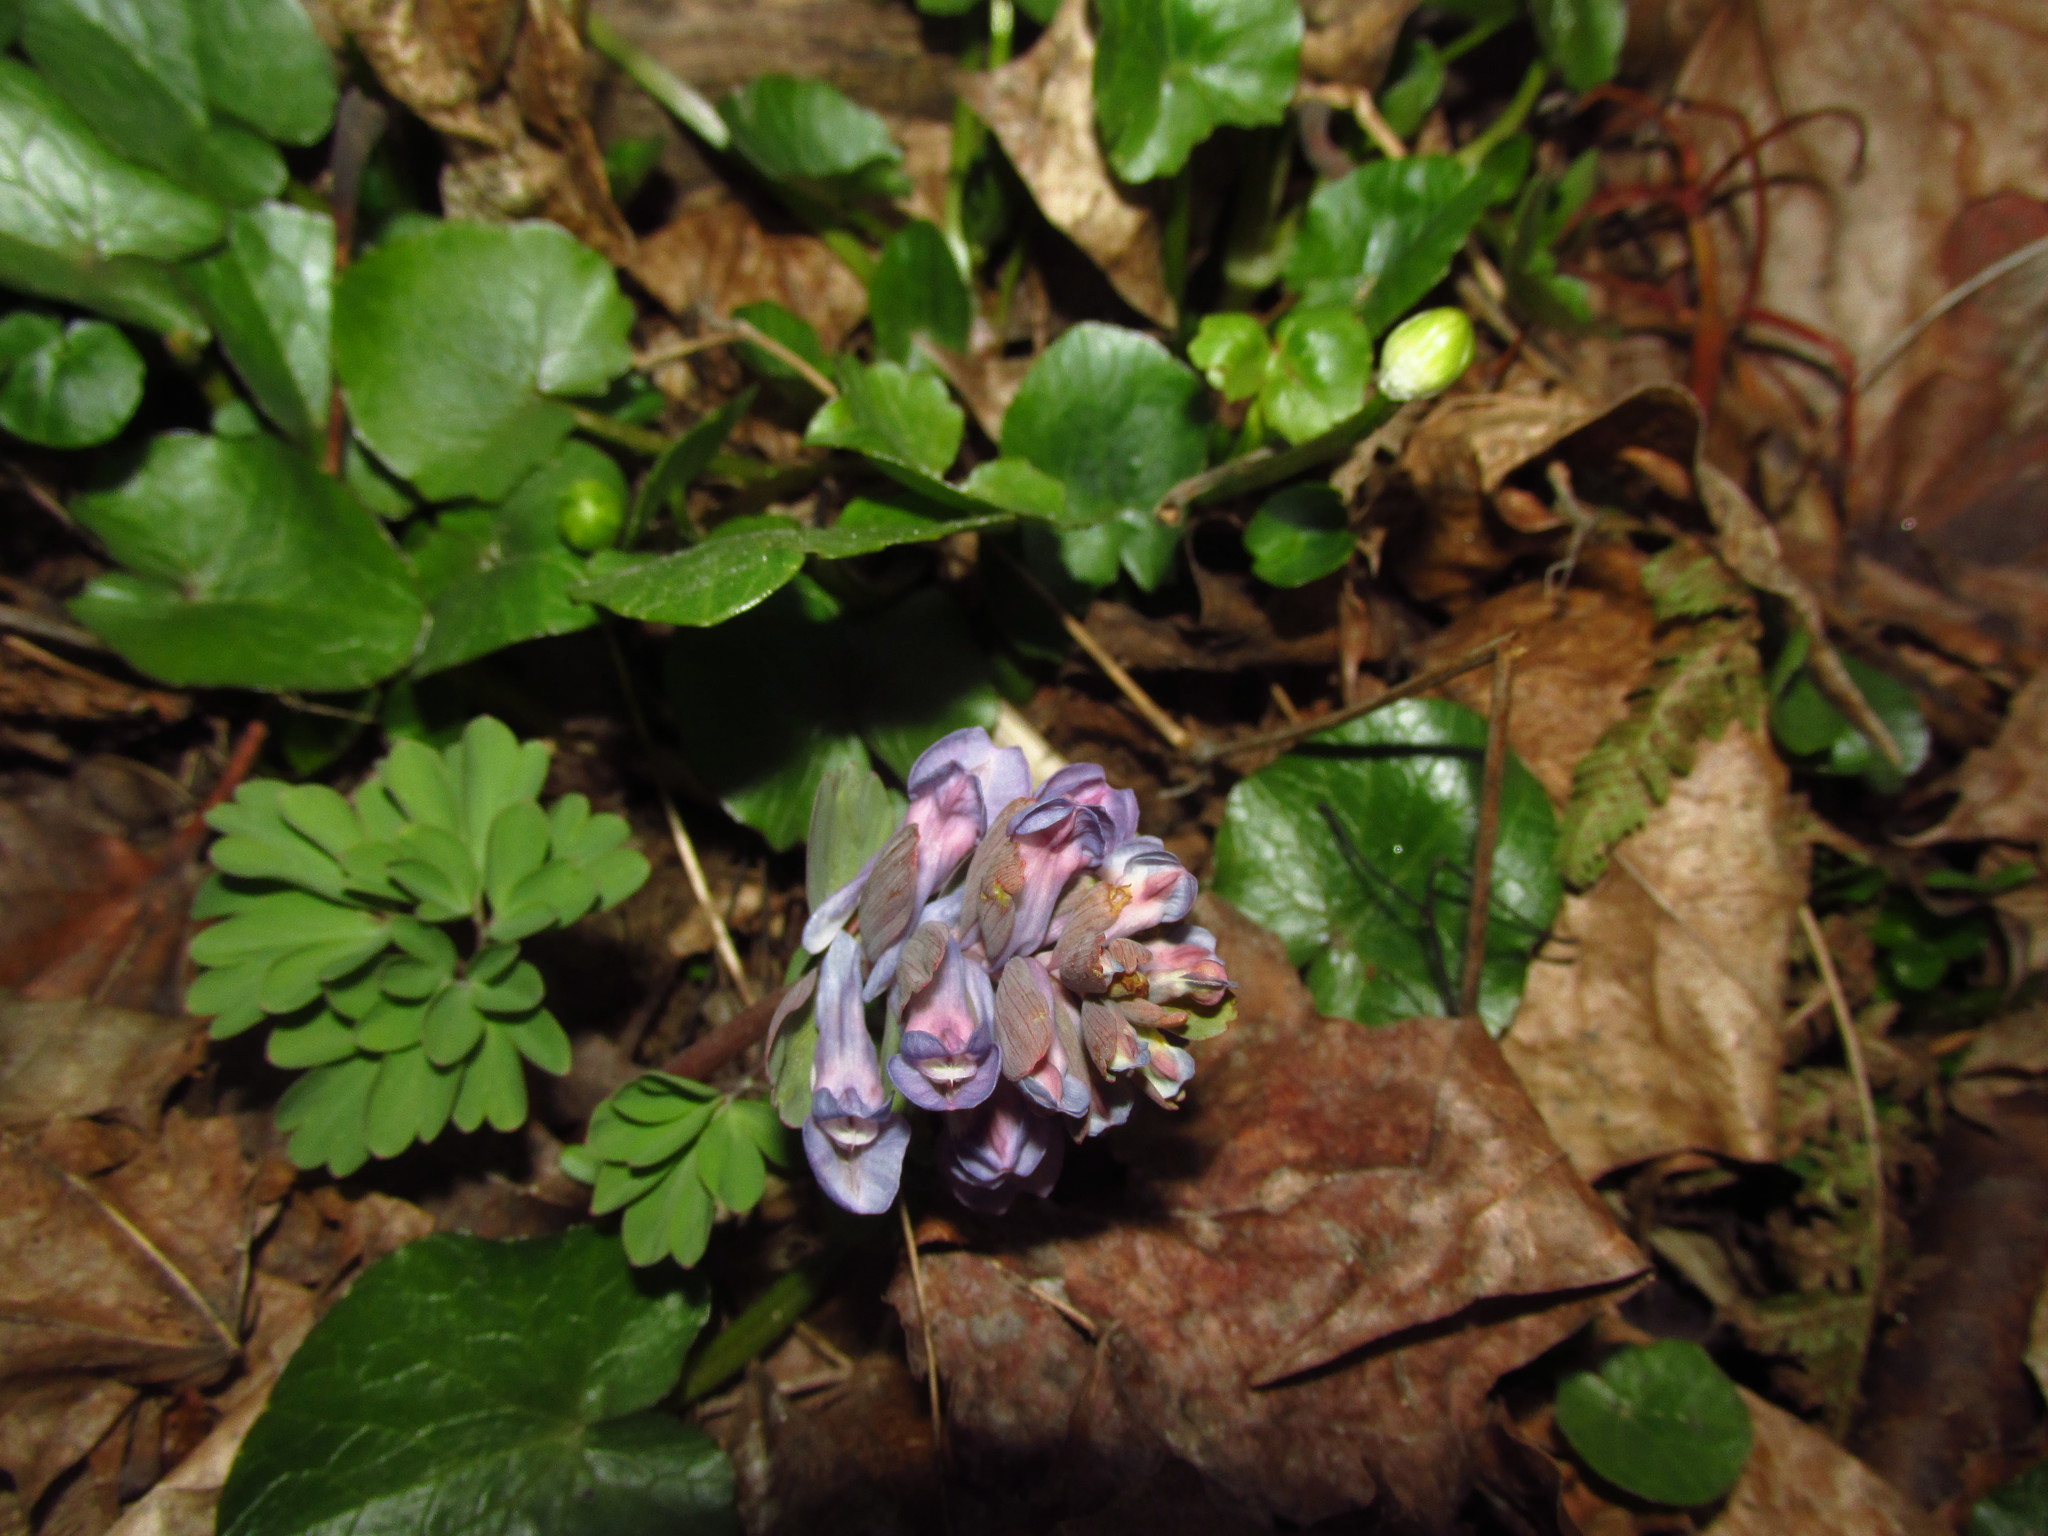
[465, 1386]
[456, 345]
[1659, 1420]
[1383, 236]
[76, 390]
[1116, 419]
[1320, 366]
[1299, 535]
[263, 62]
[1168, 73]
[1356, 848]
[893, 414]
[246, 567]
[1231, 350]
[918, 291]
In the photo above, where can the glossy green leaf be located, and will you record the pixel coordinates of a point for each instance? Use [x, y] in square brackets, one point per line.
[79, 224]
[704, 585]
[771, 702]
[1581, 38]
[1231, 350]
[1299, 535]
[1119, 422]
[1168, 73]
[465, 1386]
[263, 63]
[132, 69]
[1318, 372]
[1809, 726]
[1356, 848]
[677, 467]
[810, 136]
[456, 349]
[246, 567]
[1659, 1420]
[496, 576]
[890, 412]
[1406, 100]
[918, 291]
[2017, 1508]
[865, 527]
[1383, 236]
[270, 297]
[76, 390]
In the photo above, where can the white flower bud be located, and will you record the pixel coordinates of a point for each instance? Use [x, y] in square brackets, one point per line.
[1425, 354]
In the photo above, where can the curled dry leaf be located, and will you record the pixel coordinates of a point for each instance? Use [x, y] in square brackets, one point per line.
[1349, 1236]
[714, 256]
[503, 83]
[49, 1423]
[1041, 108]
[2004, 787]
[1649, 1024]
[1860, 250]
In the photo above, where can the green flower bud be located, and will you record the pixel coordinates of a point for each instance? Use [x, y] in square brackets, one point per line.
[591, 516]
[1425, 354]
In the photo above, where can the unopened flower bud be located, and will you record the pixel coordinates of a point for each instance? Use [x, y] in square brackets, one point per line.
[1425, 354]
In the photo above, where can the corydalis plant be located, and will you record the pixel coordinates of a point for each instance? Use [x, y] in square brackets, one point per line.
[1038, 970]
[378, 935]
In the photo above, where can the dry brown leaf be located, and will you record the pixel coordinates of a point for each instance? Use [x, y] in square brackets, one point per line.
[49, 1423]
[1350, 42]
[503, 83]
[715, 256]
[1951, 99]
[1800, 1483]
[69, 1058]
[2009, 1055]
[874, 53]
[2004, 787]
[1641, 1033]
[1348, 1237]
[1041, 108]
[135, 1271]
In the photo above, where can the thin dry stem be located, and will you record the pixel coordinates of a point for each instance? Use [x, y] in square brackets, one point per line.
[1287, 735]
[1492, 777]
[940, 1451]
[724, 333]
[1357, 100]
[1170, 730]
[693, 871]
[1859, 1073]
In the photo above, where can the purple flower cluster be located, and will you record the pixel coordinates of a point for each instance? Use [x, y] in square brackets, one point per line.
[1031, 947]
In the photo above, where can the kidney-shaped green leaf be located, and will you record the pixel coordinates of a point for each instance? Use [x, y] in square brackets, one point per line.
[1659, 1420]
[1382, 237]
[474, 1388]
[76, 389]
[1299, 535]
[76, 222]
[454, 345]
[494, 576]
[918, 291]
[1114, 417]
[1317, 373]
[891, 413]
[1168, 73]
[262, 62]
[1356, 848]
[245, 567]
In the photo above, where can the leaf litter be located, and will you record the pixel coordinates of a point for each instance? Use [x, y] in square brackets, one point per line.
[1277, 1305]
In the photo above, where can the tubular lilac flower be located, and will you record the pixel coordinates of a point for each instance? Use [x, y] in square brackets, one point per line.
[1039, 1035]
[1148, 886]
[854, 1141]
[991, 1152]
[1185, 966]
[947, 1059]
[1168, 1068]
[1024, 868]
[955, 784]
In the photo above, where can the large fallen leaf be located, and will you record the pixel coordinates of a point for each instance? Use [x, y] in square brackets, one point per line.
[1949, 178]
[2004, 787]
[135, 1271]
[49, 1423]
[1799, 1481]
[1346, 1239]
[1042, 110]
[69, 1058]
[1650, 1021]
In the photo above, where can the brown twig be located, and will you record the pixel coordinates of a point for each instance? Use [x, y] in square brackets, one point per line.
[940, 1453]
[57, 631]
[1492, 777]
[1286, 735]
[725, 333]
[707, 1053]
[1170, 730]
[357, 126]
[1866, 1106]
